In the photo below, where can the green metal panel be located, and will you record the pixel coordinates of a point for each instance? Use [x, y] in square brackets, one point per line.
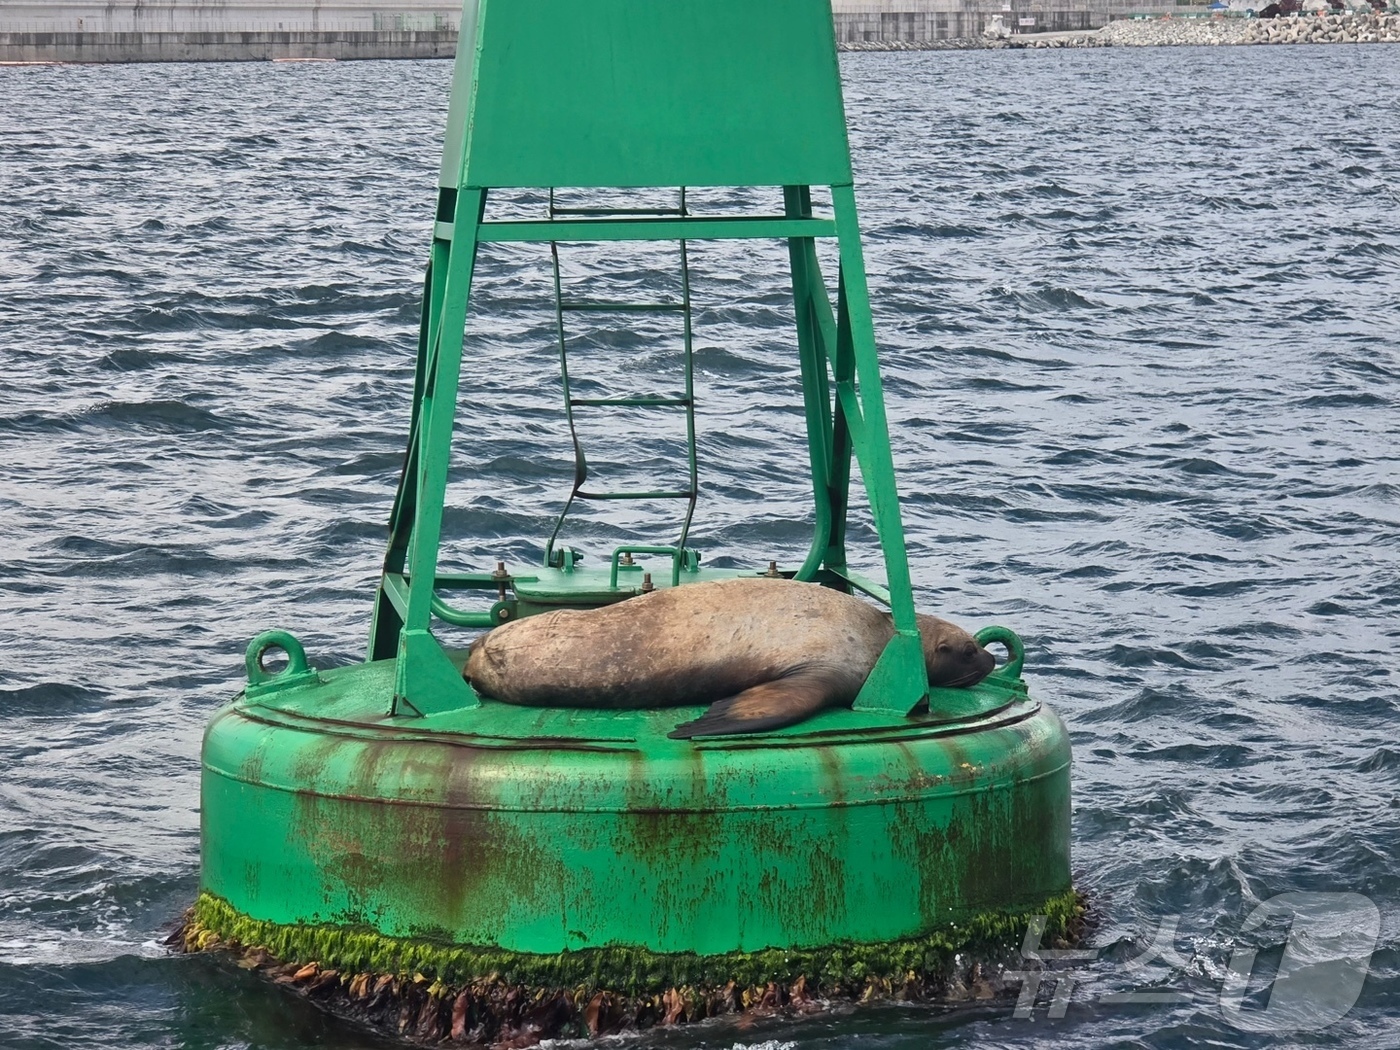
[654, 93]
[550, 830]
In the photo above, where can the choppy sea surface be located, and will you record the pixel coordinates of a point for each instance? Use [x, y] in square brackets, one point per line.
[1139, 312]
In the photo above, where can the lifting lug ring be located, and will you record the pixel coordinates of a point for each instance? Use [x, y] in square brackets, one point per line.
[270, 641]
[1015, 649]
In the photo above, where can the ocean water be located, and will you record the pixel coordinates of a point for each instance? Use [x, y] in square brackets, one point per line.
[1139, 312]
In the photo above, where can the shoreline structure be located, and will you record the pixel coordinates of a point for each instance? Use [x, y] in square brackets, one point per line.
[1168, 31]
[40, 31]
[1303, 28]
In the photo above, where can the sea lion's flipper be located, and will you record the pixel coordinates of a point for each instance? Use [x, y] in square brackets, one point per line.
[769, 705]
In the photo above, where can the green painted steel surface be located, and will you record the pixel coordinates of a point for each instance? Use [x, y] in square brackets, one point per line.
[625, 94]
[550, 830]
[390, 796]
[641, 93]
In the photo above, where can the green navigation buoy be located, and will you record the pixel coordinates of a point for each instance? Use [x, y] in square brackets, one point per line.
[455, 867]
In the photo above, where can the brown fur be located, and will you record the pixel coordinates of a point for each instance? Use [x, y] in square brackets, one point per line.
[764, 653]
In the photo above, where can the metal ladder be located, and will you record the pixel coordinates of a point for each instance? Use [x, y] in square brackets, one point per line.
[562, 558]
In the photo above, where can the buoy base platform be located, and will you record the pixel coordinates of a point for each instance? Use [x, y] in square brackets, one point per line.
[498, 868]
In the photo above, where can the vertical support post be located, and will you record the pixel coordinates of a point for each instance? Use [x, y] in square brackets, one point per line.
[812, 352]
[843, 369]
[385, 622]
[899, 680]
[425, 678]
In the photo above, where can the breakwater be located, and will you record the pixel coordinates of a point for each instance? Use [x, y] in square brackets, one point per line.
[1347, 28]
[1332, 29]
[1366, 28]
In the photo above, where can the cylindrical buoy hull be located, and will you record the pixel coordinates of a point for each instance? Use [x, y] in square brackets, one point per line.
[550, 831]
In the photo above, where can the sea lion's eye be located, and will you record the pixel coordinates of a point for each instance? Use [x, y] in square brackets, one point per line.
[944, 647]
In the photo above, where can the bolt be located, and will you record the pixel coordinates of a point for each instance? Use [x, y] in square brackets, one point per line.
[626, 557]
[772, 569]
[646, 583]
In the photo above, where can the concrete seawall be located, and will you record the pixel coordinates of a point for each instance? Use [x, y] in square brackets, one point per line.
[225, 30]
[227, 46]
[251, 30]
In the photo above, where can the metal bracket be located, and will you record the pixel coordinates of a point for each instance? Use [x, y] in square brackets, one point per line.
[682, 558]
[261, 681]
[1015, 650]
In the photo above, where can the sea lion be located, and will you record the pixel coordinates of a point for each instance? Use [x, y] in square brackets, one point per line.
[763, 653]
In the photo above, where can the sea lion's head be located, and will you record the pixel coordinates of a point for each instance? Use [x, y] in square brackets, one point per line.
[952, 656]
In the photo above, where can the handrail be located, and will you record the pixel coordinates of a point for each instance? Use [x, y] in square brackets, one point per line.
[463, 617]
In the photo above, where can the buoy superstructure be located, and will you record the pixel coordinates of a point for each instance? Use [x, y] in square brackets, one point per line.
[383, 822]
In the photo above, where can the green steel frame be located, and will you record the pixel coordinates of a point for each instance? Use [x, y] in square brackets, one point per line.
[635, 93]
